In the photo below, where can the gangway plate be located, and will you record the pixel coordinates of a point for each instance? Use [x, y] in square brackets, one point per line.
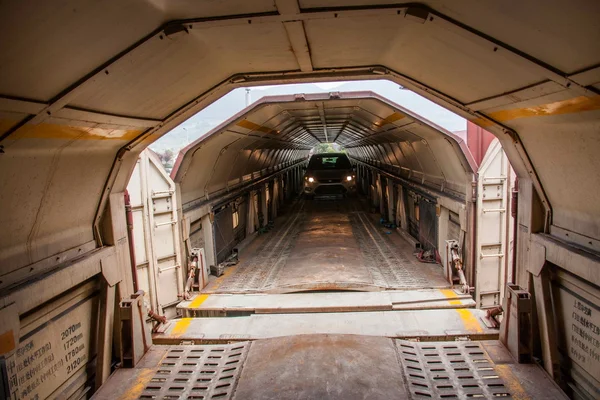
[441, 324]
[220, 305]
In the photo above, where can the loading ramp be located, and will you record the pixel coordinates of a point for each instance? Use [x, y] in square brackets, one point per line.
[330, 367]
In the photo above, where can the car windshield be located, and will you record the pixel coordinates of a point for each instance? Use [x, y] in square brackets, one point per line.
[337, 161]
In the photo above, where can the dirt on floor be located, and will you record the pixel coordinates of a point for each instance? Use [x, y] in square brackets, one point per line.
[328, 245]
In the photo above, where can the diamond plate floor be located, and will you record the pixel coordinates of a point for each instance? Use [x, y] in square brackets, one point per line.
[328, 245]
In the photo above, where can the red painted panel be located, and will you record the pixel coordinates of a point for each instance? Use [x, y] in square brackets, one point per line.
[478, 141]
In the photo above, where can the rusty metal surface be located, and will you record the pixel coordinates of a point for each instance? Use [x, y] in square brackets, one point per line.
[441, 370]
[221, 305]
[180, 372]
[322, 367]
[426, 325]
[329, 245]
[331, 367]
[197, 372]
[459, 370]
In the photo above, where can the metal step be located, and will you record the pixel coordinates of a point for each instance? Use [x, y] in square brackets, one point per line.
[441, 324]
[223, 305]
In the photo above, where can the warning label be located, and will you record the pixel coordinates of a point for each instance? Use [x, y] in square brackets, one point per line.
[45, 359]
[582, 331]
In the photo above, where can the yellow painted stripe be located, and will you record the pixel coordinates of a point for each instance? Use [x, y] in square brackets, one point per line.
[219, 281]
[255, 127]
[53, 131]
[7, 342]
[451, 294]
[139, 384]
[570, 106]
[390, 118]
[181, 326]
[469, 321]
[511, 381]
[198, 300]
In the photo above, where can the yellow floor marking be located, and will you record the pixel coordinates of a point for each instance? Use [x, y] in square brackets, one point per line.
[136, 390]
[217, 282]
[181, 326]
[198, 300]
[469, 321]
[510, 380]
[451, 294]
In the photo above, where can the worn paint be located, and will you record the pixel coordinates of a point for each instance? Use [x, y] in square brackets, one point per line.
[140, 383]
[7, 342]
[451, 294]
[70, 132]
[390, 119]
[512, 383]
[201, 298]
[470, 322]
[255, 127]
[570, 106]
[216, 284]
[181, 326]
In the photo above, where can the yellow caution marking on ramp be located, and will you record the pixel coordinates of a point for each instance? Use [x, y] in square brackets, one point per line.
[451, 294]
[470, 322]
[198, 300]
[134, 392]
[511, 381]
[181, 326]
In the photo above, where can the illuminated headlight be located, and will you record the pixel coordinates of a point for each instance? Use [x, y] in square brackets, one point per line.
[349, 178]
[311, 179]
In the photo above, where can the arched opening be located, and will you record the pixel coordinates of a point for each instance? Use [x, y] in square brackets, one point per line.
[85, 88]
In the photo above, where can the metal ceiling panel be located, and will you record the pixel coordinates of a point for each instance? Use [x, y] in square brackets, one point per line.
[210, 164]
[503, 65]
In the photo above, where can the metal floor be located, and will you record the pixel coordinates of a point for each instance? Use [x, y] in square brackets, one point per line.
[328, 245]
[330, 367]
[225, 305]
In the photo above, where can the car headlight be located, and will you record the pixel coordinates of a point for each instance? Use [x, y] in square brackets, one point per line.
[311, 179]
[349, 178]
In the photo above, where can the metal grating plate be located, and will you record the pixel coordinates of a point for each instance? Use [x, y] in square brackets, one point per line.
[198, 372]
[450, 370]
